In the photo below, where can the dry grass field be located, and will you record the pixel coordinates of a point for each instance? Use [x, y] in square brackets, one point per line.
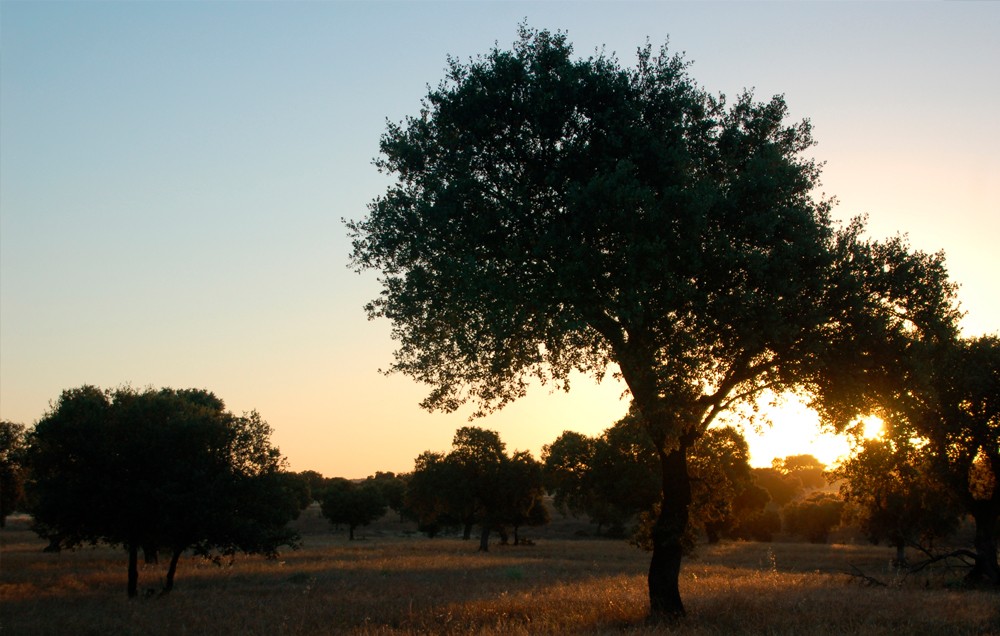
[389, 583]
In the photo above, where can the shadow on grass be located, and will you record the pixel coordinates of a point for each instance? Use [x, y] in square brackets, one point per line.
[420, 586]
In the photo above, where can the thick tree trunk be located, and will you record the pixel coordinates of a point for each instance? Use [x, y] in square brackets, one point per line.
[172, 569]
[986, 569]
[133, 571]
[484, 539]
[668, 532]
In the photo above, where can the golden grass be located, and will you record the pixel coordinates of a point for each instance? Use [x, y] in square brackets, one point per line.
[395, 585]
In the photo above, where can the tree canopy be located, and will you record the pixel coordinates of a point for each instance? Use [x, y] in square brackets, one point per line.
[814, 517]
[949, 399]
[613, 479]
[552, 214]
[12, 449]
[895, 496]
[158, 468]
[352, 504]
[477, 482]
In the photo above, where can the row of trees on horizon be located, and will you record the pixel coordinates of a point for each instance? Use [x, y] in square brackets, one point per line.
[611, 480]
[168, 470]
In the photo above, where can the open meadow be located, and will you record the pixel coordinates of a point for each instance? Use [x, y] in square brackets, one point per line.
[391, 582]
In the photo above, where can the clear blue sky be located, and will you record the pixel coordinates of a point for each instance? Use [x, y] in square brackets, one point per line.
[173, 177]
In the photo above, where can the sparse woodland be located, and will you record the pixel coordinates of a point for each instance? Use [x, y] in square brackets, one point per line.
[392, 580]
[636, 224]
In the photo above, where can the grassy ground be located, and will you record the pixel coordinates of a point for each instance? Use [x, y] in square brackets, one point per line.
[391, 583]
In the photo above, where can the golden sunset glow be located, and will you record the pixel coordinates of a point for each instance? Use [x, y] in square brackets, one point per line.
[873, 427]
[172, 197]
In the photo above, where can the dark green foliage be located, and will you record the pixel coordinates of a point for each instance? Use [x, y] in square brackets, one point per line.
[520, 494]
[352, 504]
[780, 486]
[951, 401]
[12, 469]
[614, 478]
[298, 488]
[392, 487]
[436, 496]
[551, 214]
[611, 478]
[567, 463]
[317, 484]
[760, 525]
[723, 490]
[625, 477]
[477, 482]
[813, 517]
[158, 469]
[810, 472]
[893, 495]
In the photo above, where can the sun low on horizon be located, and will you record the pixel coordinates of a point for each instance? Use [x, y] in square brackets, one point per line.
[789, 427]
[784, 426]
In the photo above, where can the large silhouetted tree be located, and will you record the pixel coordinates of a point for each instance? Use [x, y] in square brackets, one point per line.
[158, 468]
[552, 214]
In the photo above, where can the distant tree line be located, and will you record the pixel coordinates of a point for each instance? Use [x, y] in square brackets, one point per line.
[170, 471]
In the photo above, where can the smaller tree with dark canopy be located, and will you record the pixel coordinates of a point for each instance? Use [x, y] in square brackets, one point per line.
[392, 487]
[436, 498]
[297, 486]
[810, 472]
[317, 484]
[477, 482]
[611, 478]
[723, 490]
[761, 523]
[12, 471]
[566, 471]
[951, 403]
[781, 487]
[158, 469]
[894, 497]
[520, 495]
[352, 504]
[814, 517]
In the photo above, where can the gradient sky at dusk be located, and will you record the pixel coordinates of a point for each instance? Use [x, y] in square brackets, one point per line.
[173, 178]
